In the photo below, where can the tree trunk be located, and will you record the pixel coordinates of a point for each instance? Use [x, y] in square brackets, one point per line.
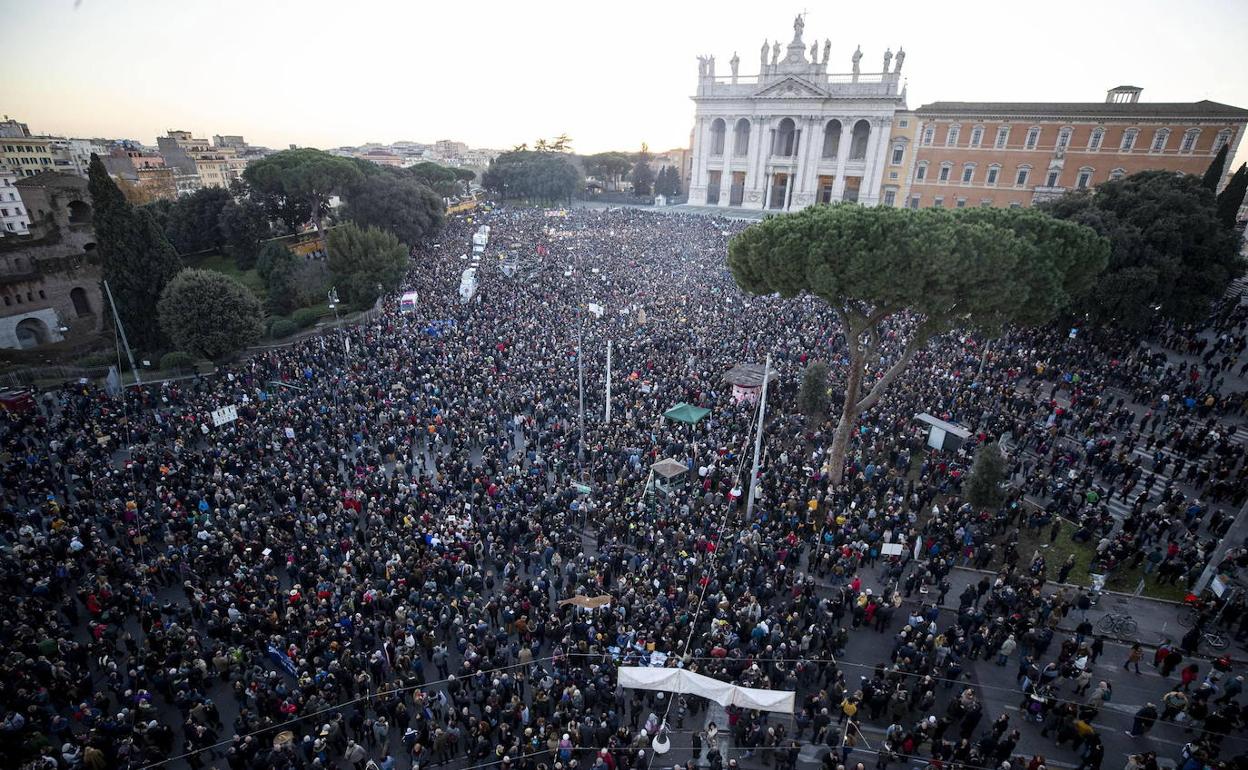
[849, 414]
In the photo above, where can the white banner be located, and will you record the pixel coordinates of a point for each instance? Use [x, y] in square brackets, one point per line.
[677, 680]
[223, 415]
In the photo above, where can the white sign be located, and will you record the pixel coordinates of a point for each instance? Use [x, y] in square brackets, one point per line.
[891, 549]
[290, 433]
[1219, 586]
[223, 415]
[596, 309]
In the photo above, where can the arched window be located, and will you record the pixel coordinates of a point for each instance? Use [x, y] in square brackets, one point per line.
[717, 136]
[1189, 140]
[1223, 138]
[1094, 141]
[946, 169]
[31, 332]
[1117, 174]
[994, 173]
[951, 138]
[1033, 137]
[82, 303]
[920, 171]
[977, 136]
[741, 138]
[1160, 139]
[1020, 179]
[968, 173]
[1084, 179]
[831, 138]
[786, 135]
[899, 153]
[1063, 137]
[79, 213]
[1128, 139]
[858, 147]
[929, 134]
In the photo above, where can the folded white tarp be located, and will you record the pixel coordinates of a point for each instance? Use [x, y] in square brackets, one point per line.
[678, 680]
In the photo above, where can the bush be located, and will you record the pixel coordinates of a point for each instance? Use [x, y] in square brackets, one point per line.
[283, 327]
[209, 314]
[305, 317]
[96, 359]
[177, 359]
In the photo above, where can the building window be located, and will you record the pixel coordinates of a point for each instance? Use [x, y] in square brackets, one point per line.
[831, 139]
[985, 203]
[1063, 138]
[899, 152]
[904, 124]
[1128, 139]
[929, 134]
[1117, 174]
[1223, 138]
[1033, 137]
[977, 136]
[1094, 141]
[1052, 180]
[1159, 140]
[42, 295]
[1021, 179]
[890, 197]
[937, 202]
[1003, 137]
[920, 173]
[1084, 180]
[968, 173]
[951, 138]
[960, 203]
[1189, 140]
[1015, 205]
[945, 168]
[914, 201]
[993, 172]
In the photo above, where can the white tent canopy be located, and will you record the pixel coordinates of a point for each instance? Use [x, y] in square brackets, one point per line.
[678, 680]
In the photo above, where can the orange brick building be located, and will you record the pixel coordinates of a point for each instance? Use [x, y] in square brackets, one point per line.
[1016, 154]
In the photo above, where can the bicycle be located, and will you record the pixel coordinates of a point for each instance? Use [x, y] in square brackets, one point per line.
[1117, 623]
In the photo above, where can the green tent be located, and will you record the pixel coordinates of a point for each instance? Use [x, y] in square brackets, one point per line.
[689, 413]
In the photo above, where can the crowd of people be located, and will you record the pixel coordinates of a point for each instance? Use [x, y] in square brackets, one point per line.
[369, 567]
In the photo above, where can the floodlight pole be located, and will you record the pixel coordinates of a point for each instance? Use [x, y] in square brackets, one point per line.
[122, 329]
[758, 438]
[580, 386]
[608, 416]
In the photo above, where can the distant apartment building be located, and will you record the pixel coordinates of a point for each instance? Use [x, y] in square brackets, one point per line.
[1020, 153]
[14, 220]
[211, 164]
[382, 157]
[448, 148]
[229, 140]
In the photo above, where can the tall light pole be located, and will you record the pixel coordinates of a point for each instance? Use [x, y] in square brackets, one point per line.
[580, 386]
[758, 438]
[122, 329]
[608, 416]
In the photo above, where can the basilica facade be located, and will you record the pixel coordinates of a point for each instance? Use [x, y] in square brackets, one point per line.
[795, 134]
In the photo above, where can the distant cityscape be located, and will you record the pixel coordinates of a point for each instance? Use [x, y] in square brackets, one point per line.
[178, 164]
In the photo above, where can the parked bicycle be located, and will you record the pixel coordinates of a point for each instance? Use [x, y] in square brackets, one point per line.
[1118, 624]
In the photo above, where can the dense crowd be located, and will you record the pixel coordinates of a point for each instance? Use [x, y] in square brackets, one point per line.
[366, 568]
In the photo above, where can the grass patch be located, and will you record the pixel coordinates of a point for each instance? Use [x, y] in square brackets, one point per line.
[222, 263]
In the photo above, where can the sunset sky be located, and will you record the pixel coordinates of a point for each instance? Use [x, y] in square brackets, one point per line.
[494, 74]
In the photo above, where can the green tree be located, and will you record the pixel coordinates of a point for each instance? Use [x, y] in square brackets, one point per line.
[1213, 174]
[812, 396]
[983, 487]
[279, 268]
[1232, 197]
[911, 274]
[159, 210]
[361, 259]
[244, 227]
[194, 222]
[209, 313]
[642, 176]
[294, 186]
[544, 176]
[403, 206]
[609, 167]
[137, 259]
[1169, 251]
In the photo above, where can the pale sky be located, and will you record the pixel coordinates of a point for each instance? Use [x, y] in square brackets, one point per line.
[494, 73]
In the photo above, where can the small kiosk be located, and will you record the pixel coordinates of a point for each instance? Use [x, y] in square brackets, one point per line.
[942, 435]
[747, 381]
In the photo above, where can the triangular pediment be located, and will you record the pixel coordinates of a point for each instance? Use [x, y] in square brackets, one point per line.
[791, 88]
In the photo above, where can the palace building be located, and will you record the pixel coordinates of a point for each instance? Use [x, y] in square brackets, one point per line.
[795, 134]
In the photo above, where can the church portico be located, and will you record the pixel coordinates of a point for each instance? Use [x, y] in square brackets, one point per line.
[793, 135]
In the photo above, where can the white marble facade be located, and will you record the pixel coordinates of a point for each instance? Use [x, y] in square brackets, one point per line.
[793, 135]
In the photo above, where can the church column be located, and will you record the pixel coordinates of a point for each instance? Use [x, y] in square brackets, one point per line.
[810, 160]
[753, 176]
[697, 187]
[842, 154]
[879, 158]
[868, 192]
[725, 176]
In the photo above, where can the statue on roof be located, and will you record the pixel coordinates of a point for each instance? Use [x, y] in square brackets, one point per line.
[734, 62]
[857, 58]
[827, 50]
[798, 26]
[775, 53]
[901, 57]
[888, 58]
[814, 52]
[762, 61]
